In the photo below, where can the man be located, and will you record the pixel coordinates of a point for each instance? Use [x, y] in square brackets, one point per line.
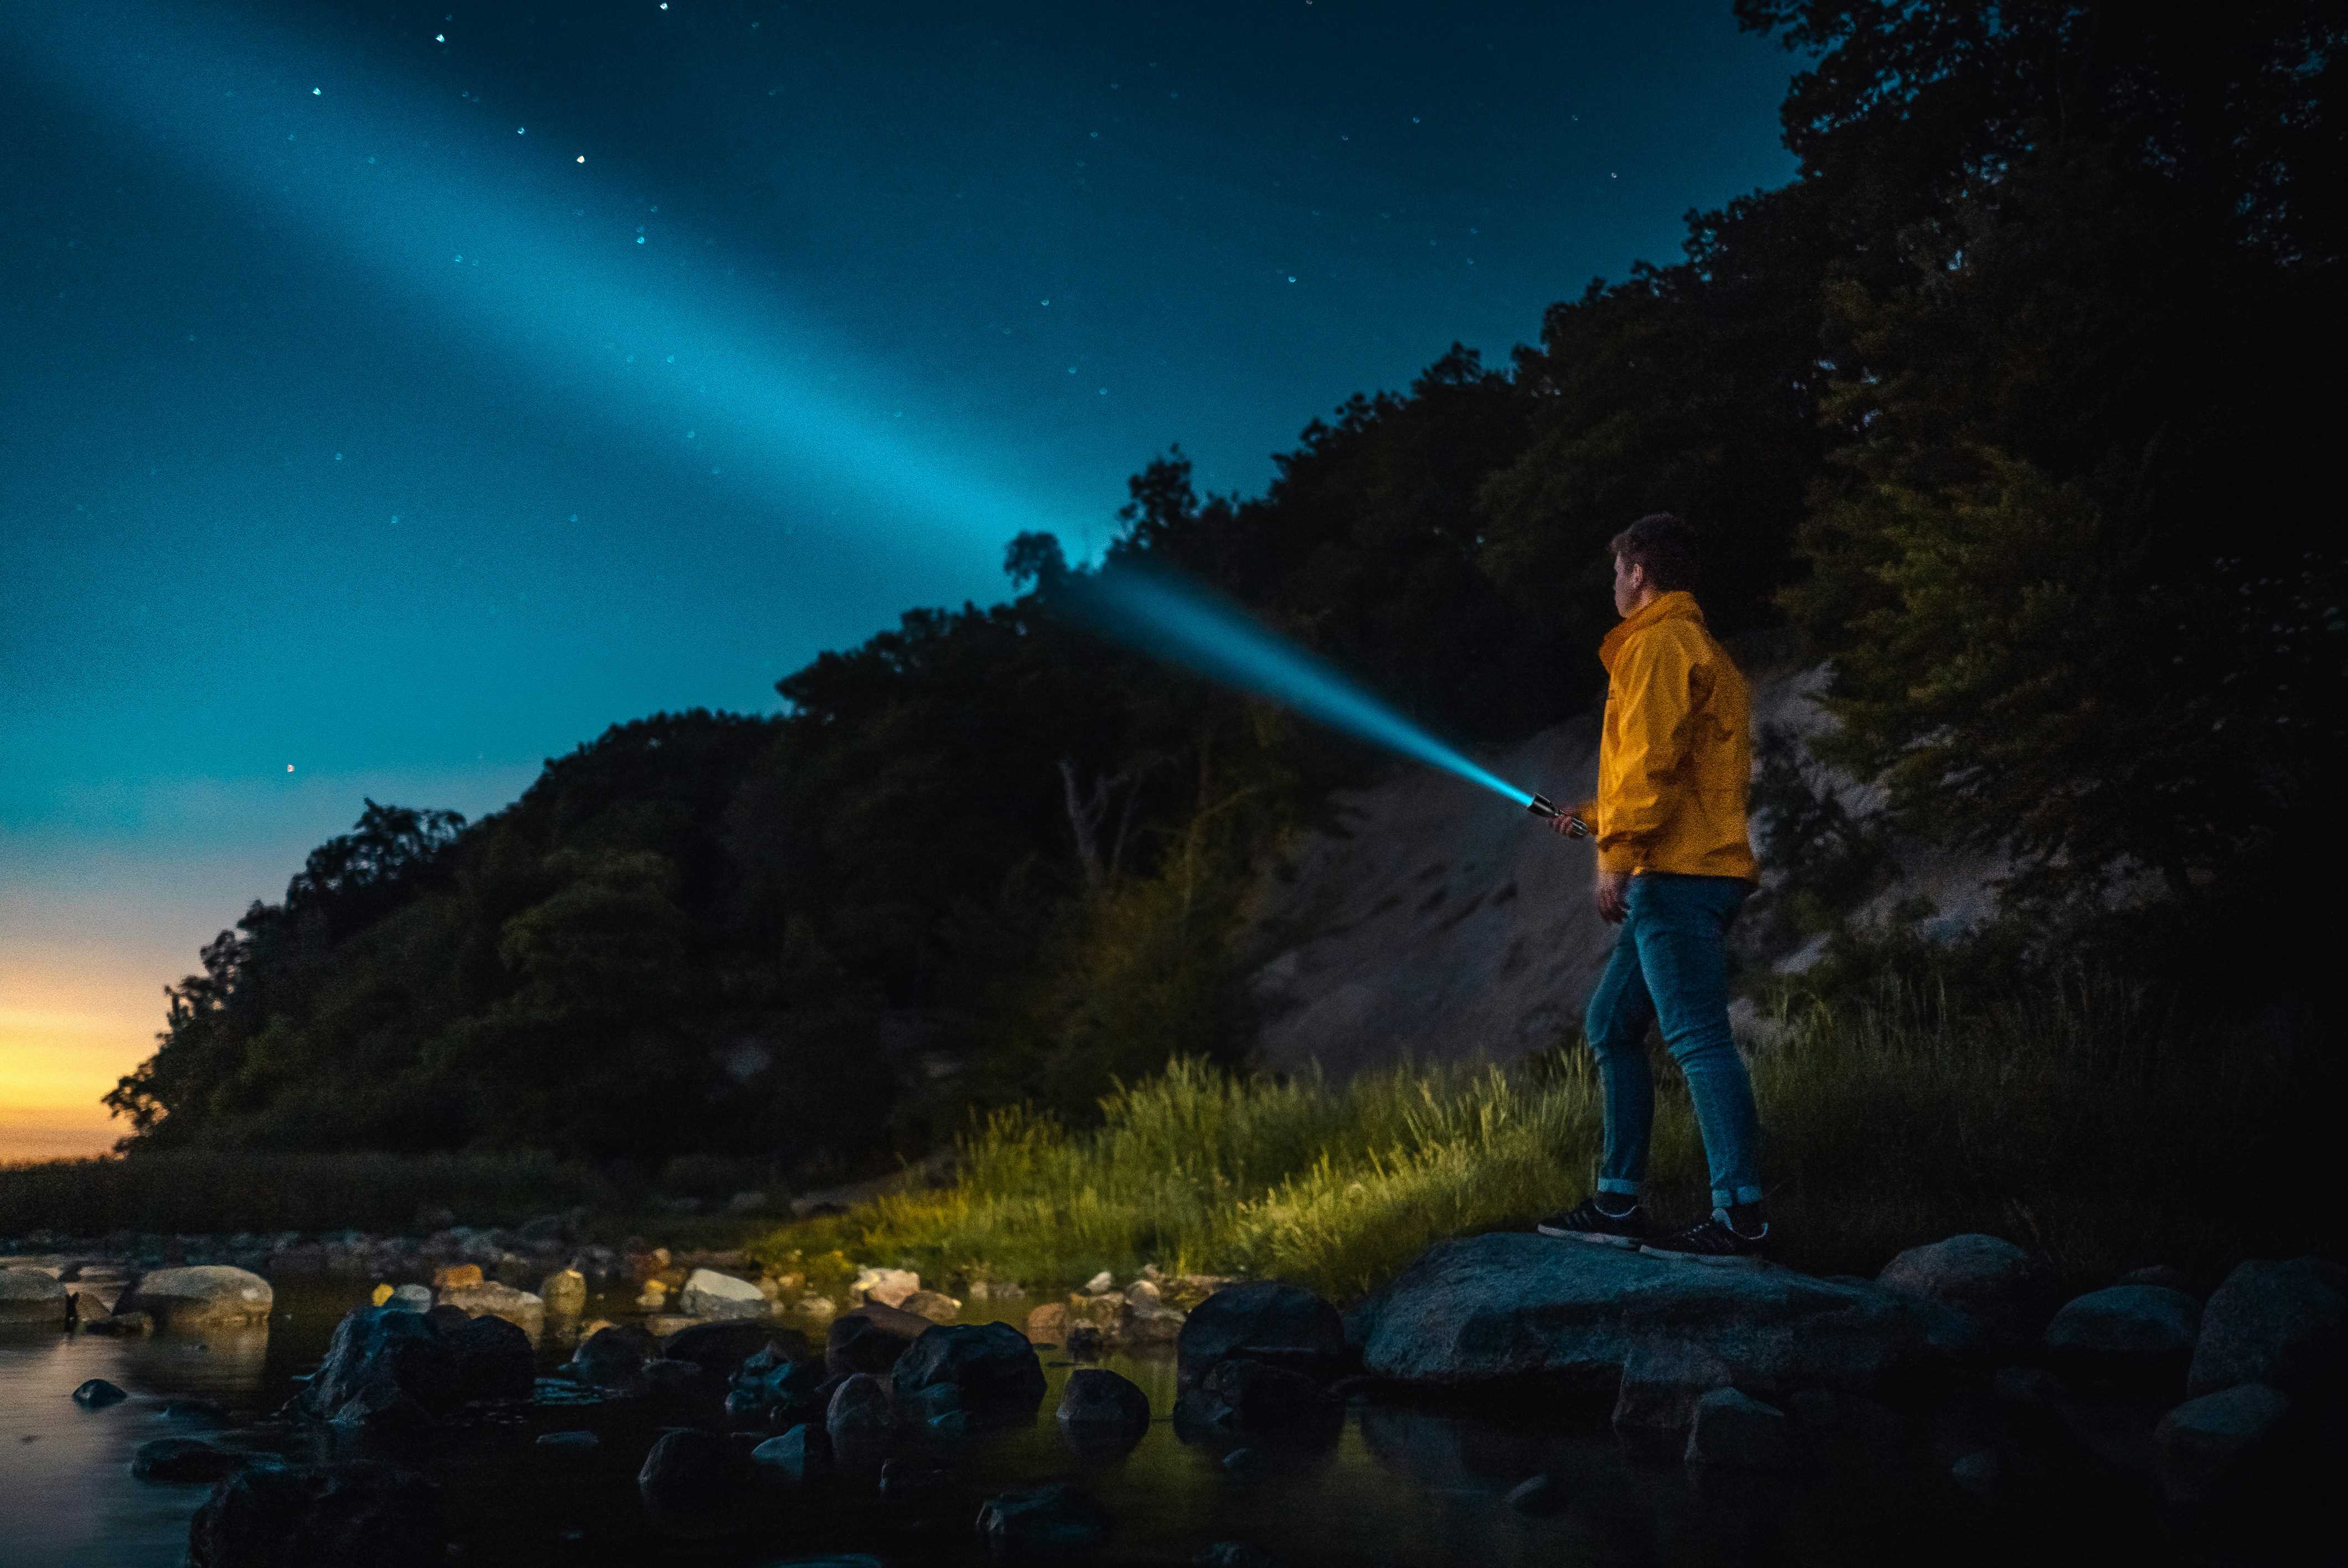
[1675, 865]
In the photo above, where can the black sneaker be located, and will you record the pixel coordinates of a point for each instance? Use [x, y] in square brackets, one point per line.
[1587, 1222]
[1714, 1240]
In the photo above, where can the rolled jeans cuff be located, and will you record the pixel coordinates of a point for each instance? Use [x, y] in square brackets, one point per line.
[1728, 1197]
[1618, 1186]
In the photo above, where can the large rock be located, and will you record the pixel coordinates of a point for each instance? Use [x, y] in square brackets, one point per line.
[612, 1357]
[992, 1364]
[719, 1349]
[800, 1457]
[2199, 1448]
[31, 1295]
[2141, 1334]
[1262, 1320]
[1509, 1306]
[721, 1297]
[210, 1296]
[301, 1516]
[385, 1366]
[492, 1299]
[2008, 1290]
[2281, 1323]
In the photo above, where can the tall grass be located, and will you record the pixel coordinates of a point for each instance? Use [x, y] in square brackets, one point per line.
[2064, 1119]
[195, 1191]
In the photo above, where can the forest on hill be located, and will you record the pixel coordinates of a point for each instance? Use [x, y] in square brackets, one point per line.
[2013, 405]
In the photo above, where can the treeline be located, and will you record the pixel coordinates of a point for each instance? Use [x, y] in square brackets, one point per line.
[2014, 403]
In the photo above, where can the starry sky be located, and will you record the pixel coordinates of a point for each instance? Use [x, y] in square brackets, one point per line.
[399, 394]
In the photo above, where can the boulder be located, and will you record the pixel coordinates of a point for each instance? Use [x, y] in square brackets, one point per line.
[611, 1357]
[860, 1423]
[910, 1480]
[2281, 1323]
[719, 1349]
[1661, 1382]
[564, 1292]
[570, 1443]
[182, 1459]
[871, 1339]
[411, 1299]
[1261, 1320]
[1100, 1409]
[935, 1305]
[2157, 1273]
[993, 1364]
[691, 1481]
[1492, 1308]
[31, 1295]
[519, 1307]
[889, 1286]
[1042, 1521]
[96, 1394]
[2008, 1290]
[385, 1366]
[494, 1360]
[457, 1276]
[359, 1515]
[721, 1297]
[799, 1457]
[2137, 1333]
[2200, 1447]
[210, 1296]
[1736, 1432]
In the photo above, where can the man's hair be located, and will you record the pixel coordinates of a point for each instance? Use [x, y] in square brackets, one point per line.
[1662, 544]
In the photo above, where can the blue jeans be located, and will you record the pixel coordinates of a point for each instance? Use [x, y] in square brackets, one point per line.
[1672, 961]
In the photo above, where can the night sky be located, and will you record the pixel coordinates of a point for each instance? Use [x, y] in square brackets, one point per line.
[397, 397]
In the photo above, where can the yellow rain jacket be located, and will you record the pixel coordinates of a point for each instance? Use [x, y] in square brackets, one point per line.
[1675, 754]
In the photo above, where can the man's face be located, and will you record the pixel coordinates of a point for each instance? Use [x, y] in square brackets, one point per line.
[1629, 579]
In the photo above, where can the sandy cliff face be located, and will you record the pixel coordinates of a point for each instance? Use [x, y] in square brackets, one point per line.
[1442, 923]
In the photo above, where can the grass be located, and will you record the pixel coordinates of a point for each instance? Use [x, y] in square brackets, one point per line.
[2062, 1119]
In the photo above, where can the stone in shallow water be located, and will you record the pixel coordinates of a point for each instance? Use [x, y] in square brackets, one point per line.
[721, 1297]
[182, 1459]
[570, 1442]
[993, 1364]
[1043, 1520]
[96, 1394]
[1737, 1431]
[31, 1295]
[1100, 1409]
[210, 1296]
[356, 1515]
[1261, 1320]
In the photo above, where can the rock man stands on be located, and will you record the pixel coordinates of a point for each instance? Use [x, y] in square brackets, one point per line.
[1675, 865]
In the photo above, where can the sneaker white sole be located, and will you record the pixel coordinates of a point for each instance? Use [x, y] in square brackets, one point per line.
[1601, 1239]
[1719, 1260]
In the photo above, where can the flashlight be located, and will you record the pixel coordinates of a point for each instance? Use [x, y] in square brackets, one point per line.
[1542, 805]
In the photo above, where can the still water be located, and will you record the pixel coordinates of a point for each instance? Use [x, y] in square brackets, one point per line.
[1398, 1484]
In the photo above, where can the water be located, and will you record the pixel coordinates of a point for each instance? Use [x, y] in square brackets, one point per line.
[1397, 1484]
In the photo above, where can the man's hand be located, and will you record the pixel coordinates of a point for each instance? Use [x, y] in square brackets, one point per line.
[1610, 889]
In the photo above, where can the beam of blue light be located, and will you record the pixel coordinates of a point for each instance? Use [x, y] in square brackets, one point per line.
[1182, 621]
[535, 264]
[395, 185]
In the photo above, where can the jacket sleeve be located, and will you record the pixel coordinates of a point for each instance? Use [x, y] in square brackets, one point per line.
[1653, 685]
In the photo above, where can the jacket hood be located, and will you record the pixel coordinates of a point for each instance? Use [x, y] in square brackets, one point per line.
[1677, 605]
